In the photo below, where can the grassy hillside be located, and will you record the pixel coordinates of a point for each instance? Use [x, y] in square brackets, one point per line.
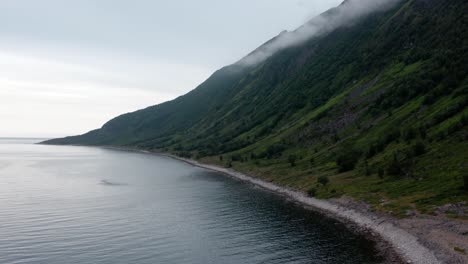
[377, 110]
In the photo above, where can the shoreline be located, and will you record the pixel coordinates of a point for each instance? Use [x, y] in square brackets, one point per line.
[389, 238]
[396, 244]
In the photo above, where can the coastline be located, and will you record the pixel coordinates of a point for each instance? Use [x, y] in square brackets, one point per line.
[396, 244]
[406, 246]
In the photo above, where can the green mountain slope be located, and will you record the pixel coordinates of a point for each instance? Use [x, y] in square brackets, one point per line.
[376, 109]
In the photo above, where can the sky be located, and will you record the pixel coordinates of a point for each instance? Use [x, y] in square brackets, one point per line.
[67, 67]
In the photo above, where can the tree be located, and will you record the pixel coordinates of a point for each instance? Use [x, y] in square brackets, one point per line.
[312, 161]
[366, 168]
[465, 181]
[419, 148]
[422, 132]
[274, 150]
[395, 167]
[236, 157]
[323, 180]
[409, 134]
[347, 159]
[292, 160]
[381, 172]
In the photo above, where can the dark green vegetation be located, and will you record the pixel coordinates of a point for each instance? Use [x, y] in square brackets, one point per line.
[376, 110]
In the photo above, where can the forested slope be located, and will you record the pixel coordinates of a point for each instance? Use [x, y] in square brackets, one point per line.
[376, 109]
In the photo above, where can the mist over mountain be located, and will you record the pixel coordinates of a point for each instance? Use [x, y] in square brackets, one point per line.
[346, 14]
[371, 95]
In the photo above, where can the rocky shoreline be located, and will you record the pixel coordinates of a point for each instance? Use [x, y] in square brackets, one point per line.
[398, 245]
[400, 241]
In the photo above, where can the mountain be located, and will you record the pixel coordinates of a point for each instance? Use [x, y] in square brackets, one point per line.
[373, 106]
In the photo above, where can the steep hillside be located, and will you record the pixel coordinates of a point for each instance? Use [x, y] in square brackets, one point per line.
[375, 109]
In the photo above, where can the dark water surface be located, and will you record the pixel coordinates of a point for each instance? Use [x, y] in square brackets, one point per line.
[89, 205]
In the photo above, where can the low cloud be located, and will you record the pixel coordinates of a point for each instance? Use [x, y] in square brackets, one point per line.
[343, 15]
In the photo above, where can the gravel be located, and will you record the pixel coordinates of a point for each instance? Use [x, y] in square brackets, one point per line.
[406, 245]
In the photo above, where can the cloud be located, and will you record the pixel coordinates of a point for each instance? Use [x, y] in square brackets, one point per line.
[343, 15]
[68, 66]
[67, 92]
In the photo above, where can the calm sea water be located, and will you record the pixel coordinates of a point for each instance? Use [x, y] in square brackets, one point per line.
[62, 204]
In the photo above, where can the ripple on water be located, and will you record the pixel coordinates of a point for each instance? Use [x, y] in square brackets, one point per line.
[56, 207]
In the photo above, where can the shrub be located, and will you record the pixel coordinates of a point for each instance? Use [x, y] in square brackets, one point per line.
[381, 172]
[419, 148]
[347, 160]
[372, 151]
[465, 181]
[367, 169]
[236, 157]
[323, 180]
[379, 146]
[312, 192]
[423, 132]
[401, 166]
[184, 154]
[396, 167]
[274, 150]
[429, 99]
[410, 134]
[292, 160]
[393, 135]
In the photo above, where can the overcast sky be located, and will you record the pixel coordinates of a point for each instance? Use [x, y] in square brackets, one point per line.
[68, 66]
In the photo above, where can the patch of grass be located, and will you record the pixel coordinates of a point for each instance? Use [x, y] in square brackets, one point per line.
[460, 250]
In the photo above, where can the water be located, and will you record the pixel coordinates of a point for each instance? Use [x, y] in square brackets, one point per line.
[61, 204]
